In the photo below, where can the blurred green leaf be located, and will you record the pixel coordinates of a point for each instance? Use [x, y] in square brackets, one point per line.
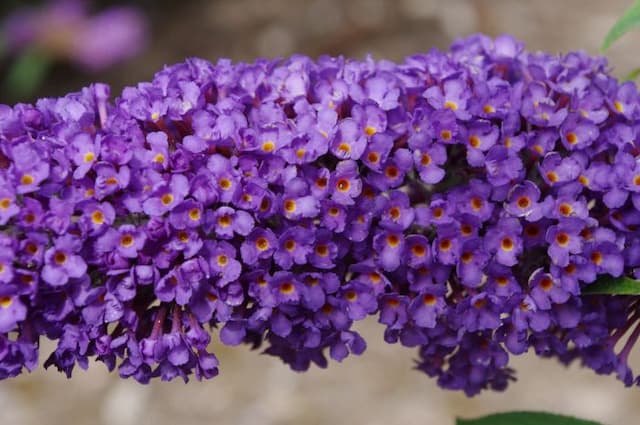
[610, 285]
[26, 74]
[525, 418]
[632, 75]
[630, 19]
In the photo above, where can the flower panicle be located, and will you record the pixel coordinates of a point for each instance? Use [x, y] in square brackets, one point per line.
[465, 198]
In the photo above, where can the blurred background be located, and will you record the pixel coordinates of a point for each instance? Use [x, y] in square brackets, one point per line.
[48, 48]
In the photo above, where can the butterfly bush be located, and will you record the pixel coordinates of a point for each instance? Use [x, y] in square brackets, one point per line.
[465, 198]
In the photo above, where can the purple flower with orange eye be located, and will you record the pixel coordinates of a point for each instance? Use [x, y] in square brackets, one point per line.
[500, 281]
[226, 183]
[167, 196]
[85, 153]
[358, 300]
[626, 100]
[555, 169]
[294, 246]
[186, 241]
[109, 180]
[345, 184]
[480, 137]
[476, 201]
[603, 257]
[187, 214]
[260, 244]
[418, 250]
[539, 108]
[564, 239]
[472, 262]
[96, 217]
[452, 96]
[286, 288]
[30, 169]
[578, 133]
[440, 212]
[393, 171]
[206, 304]
[31, 214]
[393, 310]
[397, 214]
[8, 206]
[446, 246]
[371, 119]
[349, 141]
[226, 222]
[318, 287]
[295, 208]
[12, 311]
[377, 151]
[62, 261]
[427, 162]
[546, 290]
[425, 309]
[522, 201]
[325, 250]
[527, 315]
[157, 156]
[334, 217]
[127, 241]
[358, 225]
[318, 180]
[479, 312]
[566, 206]
[389, 247]
[222, 262]
[173, 287]
[504, 241]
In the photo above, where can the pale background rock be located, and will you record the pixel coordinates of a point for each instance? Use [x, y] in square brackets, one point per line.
[380, 388]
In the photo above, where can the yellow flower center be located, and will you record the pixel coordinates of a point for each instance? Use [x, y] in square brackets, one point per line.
[268, 146]
[166, 199]
[5, 302]
[194, 214]
[262, 243]
[89, 156]
[26, 179]
[97, 217]
[5, 203]
[449, 104]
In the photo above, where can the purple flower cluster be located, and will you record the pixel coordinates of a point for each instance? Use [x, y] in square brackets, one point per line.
[465, 198]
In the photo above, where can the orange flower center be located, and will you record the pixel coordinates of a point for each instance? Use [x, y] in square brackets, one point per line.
[126, 241]
[262, 243]
[524, 202]
[343, 185]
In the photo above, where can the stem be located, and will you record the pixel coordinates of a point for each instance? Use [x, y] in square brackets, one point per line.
[158, 323]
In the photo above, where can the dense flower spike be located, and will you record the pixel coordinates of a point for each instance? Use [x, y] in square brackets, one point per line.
[466, 198]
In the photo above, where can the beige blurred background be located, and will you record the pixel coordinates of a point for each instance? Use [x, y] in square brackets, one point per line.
[380, 387]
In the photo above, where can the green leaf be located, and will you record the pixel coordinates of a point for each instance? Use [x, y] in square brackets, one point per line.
[632, 75]
[26, 74]
[610, 285]
[630, 19]
[525, 418]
